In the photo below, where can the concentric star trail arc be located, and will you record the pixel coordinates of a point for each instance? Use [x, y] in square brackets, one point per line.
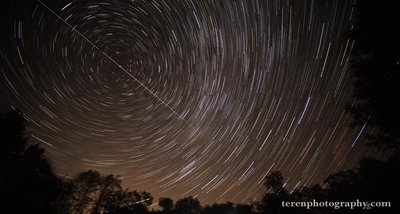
[116, 63]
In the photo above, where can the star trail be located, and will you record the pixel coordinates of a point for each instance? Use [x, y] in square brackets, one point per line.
[179, 98]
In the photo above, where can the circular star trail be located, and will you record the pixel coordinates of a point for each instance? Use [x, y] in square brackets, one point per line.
[180, 98]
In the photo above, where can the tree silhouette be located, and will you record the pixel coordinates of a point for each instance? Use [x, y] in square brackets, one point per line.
[375, 64]
[244, 209]
[188, 205]
[315, 192]
[275, 195]
[27, 183]
[147, 199]
[372, 180]
[84, 188]
[90, 192]
[131, 202]
[136, 208]
[274, 182]
[226, 208]
[12, 131]
[62, 203]
[167, 204]
[109, 188]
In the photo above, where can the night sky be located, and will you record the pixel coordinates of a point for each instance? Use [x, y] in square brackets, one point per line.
[180, 98]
